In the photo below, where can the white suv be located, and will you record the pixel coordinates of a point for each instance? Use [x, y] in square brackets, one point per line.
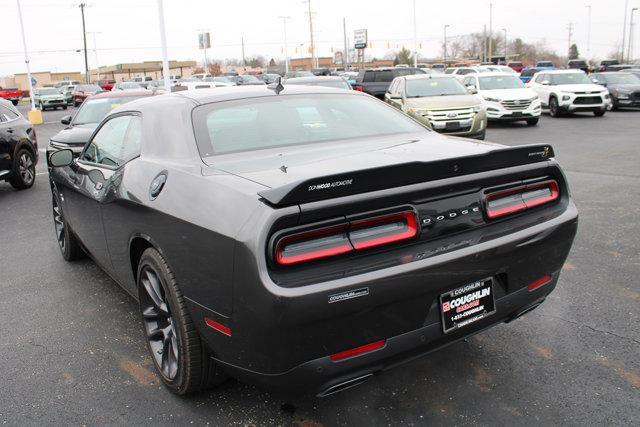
[505, 97]
[569, 91]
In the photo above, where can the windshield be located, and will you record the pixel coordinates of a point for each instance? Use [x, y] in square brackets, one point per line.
[94, 110]
[619, 78]
[49, 91]
[338, 84]
[417, 88]
[570, 79]
[500, 82]
[544, 64]
[285, 120]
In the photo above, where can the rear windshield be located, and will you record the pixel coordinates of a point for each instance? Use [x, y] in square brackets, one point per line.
[288, 120]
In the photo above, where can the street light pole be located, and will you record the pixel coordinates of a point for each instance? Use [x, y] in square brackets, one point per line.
[505, 45]
[630, 48]
[163, 42]
[84, 39]
[345, 55]
[490, 31]
[415, 37]
[26, 57]
[286, 48]
[589, 32]
[313, 48]
[444, 51]
[624, 30]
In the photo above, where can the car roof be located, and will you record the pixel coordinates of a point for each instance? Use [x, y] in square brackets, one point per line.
[571, 71]
[427, 76]
[495, 74]
[122, 94]
[314, 79]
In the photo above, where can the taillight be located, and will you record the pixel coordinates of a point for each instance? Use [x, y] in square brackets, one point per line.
[358, 88]
[347, 237]
[517, 199]
[367, 348]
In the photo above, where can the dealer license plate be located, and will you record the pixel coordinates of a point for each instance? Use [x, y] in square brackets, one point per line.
[467, 304]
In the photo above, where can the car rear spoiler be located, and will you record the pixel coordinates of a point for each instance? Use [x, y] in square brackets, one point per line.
[362, 181]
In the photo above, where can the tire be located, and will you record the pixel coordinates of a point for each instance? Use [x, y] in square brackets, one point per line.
[554, 108]
[14, 102]
[481, 135]
[76, 103]
[533, 122]
[169, 330]
[67, 241]
[599, 113]
[24, 170]
[64, 107]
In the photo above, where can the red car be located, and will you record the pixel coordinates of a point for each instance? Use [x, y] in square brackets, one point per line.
[106, 84]
[82, 92]
[14, 95]
[516, 66]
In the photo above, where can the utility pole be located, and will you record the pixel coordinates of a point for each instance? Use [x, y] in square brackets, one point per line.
[484, 43]
[444, 51]
[570, 28]
[313, 48]
[505, 45]
[244, 62]
[624, 30]
[163, 42]
[630, 49]
[26, 60]
[286, 46]
[95, 51]
[415, 37]
[345, 56]
[84, 38]
[490, 30]
[589, 32]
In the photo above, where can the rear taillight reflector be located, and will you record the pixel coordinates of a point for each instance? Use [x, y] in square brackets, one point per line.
[367, 348]
[315, 244]
[371, 232]
[520, 198]
[358, 88]
[218, 326]
[537, 283]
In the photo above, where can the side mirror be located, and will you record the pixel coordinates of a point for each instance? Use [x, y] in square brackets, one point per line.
[61, 158]
[545, 82]
[472, 89]
[394, 96]
[66, 120]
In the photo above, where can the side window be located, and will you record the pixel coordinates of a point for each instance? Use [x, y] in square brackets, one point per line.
[368, 76]
[400, 88]
[539, 78]
[392, 86]
[383, 76]
[7, 114]
[117, 142]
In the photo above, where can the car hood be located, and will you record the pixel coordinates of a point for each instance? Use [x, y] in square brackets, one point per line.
[58, 96]
[442, 102]
[509, 94]
[586, 87]
[626, 86]
[76, 135]
[278, 167]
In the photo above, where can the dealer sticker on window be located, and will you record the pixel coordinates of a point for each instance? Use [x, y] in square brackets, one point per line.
[467, 304]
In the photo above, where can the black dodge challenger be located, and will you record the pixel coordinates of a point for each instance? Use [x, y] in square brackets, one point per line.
[307, 238]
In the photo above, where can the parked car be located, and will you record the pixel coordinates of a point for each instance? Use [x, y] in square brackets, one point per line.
[505, 97]
[200, 75]
[269, 78]
[67, 92]
[578, 64]
[619, 67]
[527, 73]
[545, 65]
[350, 77]
[246, 79]
[327, 81]
[624, 88]
[634, 71]
[376, 81]
[440, 102]
[142, 81]
[49, 97]
[82, 92]
[606, 63]
[199, 84]
[128, 86]
[321, 71]
[310, 238]
[298, 73]
[437, 67]
[106, 84]
[80, 126]
[18, 147]
[14, 95]
[224, 79]
[460, 72]
[498, 69]
[66, 83]
[516, 66]
[569, 91]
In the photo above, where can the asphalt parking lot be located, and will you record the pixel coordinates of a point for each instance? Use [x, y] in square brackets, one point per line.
[72, 351]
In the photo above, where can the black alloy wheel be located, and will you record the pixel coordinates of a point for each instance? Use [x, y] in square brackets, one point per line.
[159, 325]
[67, 241]
[24, 170]
[58, 224]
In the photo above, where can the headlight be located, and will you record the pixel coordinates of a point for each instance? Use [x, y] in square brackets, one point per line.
[418, 111]
[488, 98]
[566, 97]
[478, 108]
[535, 98]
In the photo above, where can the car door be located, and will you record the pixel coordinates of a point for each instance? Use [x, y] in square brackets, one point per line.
[392, 96]
[84, 185]
[543, 91]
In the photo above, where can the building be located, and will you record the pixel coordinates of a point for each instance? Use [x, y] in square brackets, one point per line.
[40, 78]
[124, 72]
[328, 62]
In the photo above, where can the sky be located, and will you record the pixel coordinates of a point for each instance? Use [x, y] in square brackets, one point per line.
[128, 30]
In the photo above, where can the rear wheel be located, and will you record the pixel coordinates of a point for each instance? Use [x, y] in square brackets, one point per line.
[554, 108]
[24, 170]
[67, 242]
[532, 122]
[180, 356]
